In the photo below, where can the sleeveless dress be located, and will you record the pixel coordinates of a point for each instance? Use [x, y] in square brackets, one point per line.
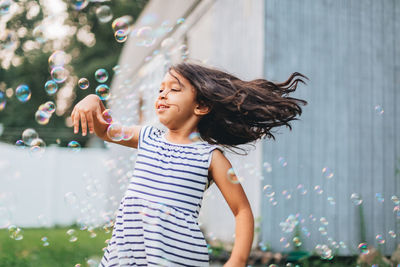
[156, 223]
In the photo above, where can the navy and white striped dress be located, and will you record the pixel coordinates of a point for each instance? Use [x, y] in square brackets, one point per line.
[156, 224]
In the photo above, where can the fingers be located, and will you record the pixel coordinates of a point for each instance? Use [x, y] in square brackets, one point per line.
[75, 119]
[100, 117]
[83, 123]
[89, 117]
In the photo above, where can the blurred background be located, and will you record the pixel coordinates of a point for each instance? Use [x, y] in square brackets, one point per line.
[325, 193]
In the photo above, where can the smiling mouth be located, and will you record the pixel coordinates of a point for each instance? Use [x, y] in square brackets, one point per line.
[162, 107]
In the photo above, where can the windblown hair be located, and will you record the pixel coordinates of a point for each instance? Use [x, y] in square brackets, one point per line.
[241, 111]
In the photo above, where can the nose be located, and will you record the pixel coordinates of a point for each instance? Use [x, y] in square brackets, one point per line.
[163, 94]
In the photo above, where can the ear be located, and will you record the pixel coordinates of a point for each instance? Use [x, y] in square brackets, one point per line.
[201, 110]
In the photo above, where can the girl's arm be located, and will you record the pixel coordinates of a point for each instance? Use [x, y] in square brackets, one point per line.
[238, 203]
[89, 111]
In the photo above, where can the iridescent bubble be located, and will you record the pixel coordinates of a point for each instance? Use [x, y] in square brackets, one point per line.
[322, 230]
[71, 234]
[301, 189]
[80, 4]
[2, 101]
[104, 14]
[15, 232]
[59, 74]
[114, 131]
[38, 146]
[324, 221]
[379, 110]
[328, 173]
[38, 34]
[268, 190]
[180, 21]
[379, 197]
[92, 263]
[356, 199]
[380, 239]
[324, 252]
[122, 23]
[20, 144]
[74, 146]
[396, 211]
[127, 133]
[8, 39]
[107, 115]
[167, 43]
[267, 166]
[318, 189]
[184, 52]
[70, 198]
[78, 265]
[363, 247]
[120, 36]
[45, 241]
[28, 135]
[49, 107]
[166, 26]
[103, 91]
[57, 59]
[51, 87]
[5, 6]
[392, 234]
[117, 69]
[195, 137]
[232, 177]
[23, 93]
[145, 36]
[42, 117]
[282, 161]
[395, 200]
[101, 75]
[297, 242]
[83, 83]
[331, 200]
[263, 246]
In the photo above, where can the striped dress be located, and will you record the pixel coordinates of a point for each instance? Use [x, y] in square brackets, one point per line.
[156, 223]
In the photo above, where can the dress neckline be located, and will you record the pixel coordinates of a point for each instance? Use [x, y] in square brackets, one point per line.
[176, 144]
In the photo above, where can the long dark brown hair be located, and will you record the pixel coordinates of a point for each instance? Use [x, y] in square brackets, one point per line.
[241, 111]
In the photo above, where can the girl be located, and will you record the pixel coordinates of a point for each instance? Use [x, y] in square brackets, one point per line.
[156, 223]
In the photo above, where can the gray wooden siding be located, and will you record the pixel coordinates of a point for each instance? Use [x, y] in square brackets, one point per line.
[350, 52]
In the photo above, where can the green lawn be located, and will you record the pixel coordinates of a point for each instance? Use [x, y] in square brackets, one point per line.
[60, 251]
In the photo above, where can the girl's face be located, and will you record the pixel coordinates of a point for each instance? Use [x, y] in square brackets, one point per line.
[176, 102]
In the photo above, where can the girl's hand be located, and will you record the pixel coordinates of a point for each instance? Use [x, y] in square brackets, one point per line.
[232, 263]
[90, 112]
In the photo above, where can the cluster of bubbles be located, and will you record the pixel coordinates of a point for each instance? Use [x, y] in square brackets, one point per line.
[232, 177]
[44, 112]
[102, 90]
[58, 69]
[115, 130]
[30, 138]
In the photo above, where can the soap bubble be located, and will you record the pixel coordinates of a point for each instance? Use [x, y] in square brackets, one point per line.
[392, 234]
[8, 39]
[127, 133]
[74, 146]
[20, 144]
[38, 146]
[268, 190]
[28, 135]
[2, 101]
[395, 200]
[356, 199]
[23, 93]
[59, 74]
[120, 36]
[38, 34]
[45, 241]
[103, 91]
[104, 14]
[48, 107]
[297, 242]
[71, 233]
[380, 239]
[15, 232]
[379, 197]
[267, 166]
[195, 137]
[5, 6]
[301, 189]
[81, 4]
[328, 173]
[379, 110]
[101, 75]
[167, 43]
[282, 161]
[51, 87]
[107, 115]
[57, 59]
[324, 252]
[145, 36]
[83, 83]
[318, 189]
[180, 21]
[363, 247]
[42, 117]
[122, 23]
[115, 132]
[232, 177]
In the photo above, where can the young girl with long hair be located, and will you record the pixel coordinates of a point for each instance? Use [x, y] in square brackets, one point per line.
[156, 223]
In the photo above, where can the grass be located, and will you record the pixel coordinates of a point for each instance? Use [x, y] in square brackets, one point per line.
[60, 252]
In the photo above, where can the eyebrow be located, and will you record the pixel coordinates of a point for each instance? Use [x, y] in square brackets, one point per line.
[177, 82]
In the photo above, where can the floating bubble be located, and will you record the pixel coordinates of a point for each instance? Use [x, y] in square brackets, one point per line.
[380, 239]
[114, 131]
[286, 194]
[70, 198]
[356, 199]
[318, 189]
[324, 221]
[122, 23]
[379, 110]
[59, 74]
[328, 173]
[107, 115]
[38, 34]
[42, 117]
[232, 177]
[92, 263]
[145, 36]
[71, 234]
[268, 190]
[127, 133]
[180, 21]
[23, 93]
[167, 43]
[78, 265]
[45, 241]
[331, 200]
[322, 230]
[195, 137]
[104, 14]
[49, 107]
[101, 75]
[83, 83]
[28, 135]
[80, 4]
[103, 91]
[51, 87]
[74, 146]
[324, 252]
[15, 232]
[38, 146]
[267, 167]
[120, 36]
[282, 161]
[117, 69]
[5, 6]
[379, 197]
[396, 211]
[8, 39]
[184, 52]
[57, 59]
[297, 242]
[392, 234]
[2, 101]
[20, 144]
[363, 247]
[395, 200]
[301, 189]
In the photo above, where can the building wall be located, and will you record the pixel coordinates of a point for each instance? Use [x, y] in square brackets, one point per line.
[350, 52]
